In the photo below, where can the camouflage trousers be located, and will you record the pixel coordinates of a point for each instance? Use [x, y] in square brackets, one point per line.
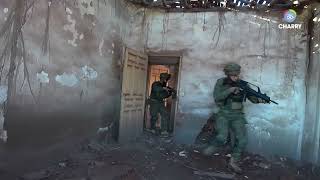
[159, 108]
[236, 123]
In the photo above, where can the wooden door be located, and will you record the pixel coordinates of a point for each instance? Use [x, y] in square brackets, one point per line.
[133, 95]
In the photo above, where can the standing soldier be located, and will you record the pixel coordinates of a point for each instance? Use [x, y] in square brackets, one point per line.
[229, 98]
[159, 92]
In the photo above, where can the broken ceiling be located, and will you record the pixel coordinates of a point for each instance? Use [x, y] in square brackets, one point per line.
[224, 4]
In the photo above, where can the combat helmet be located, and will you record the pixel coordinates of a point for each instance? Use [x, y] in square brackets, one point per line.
[232, 69]
[165, 76]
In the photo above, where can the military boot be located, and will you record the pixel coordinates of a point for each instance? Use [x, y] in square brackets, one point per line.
[164, 134]
[200, 146]
[208, 151]
[151, 131]
[234, 165]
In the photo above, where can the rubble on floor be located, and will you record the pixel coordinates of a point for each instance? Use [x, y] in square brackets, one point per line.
[152, 158]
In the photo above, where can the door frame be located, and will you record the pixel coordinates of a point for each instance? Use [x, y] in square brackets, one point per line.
[177, 54]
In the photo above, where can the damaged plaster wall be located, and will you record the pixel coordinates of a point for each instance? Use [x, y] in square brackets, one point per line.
[272, 58]
[77, 83]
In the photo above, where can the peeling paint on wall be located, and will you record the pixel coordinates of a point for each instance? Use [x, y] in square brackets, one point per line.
[5, 10]
[86, 7]
[43, 77]
[100, 46]
[72, 28]
[81, 36]
[3, 94]
[65, 79]
[68, 10]
[89, 73]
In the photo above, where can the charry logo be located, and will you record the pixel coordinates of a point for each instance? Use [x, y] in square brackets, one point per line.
[289, 16]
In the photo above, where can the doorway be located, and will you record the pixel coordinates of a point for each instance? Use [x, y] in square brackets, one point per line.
[158, 64]
[139, 71]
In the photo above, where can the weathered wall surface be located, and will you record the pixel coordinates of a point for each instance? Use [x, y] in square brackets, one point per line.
[272, 58]
[311, 138]
[77, 84]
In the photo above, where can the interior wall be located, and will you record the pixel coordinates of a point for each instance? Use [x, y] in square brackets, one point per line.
[273, 58]
[77, 83]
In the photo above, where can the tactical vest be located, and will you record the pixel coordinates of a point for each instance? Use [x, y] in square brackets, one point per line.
[157, 95]
[234, 101]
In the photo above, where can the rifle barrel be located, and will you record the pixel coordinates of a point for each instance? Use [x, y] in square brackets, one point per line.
[274, 102]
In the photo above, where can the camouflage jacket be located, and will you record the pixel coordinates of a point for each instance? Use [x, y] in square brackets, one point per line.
[226, 100]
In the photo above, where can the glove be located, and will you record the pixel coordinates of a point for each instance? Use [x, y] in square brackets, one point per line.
[169, 89]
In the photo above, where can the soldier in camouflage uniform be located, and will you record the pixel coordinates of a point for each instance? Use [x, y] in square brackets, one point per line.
[159, 92]
[229, 98]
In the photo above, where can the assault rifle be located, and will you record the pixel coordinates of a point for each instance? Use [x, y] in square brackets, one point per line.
[172, 91]
[247, 91]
